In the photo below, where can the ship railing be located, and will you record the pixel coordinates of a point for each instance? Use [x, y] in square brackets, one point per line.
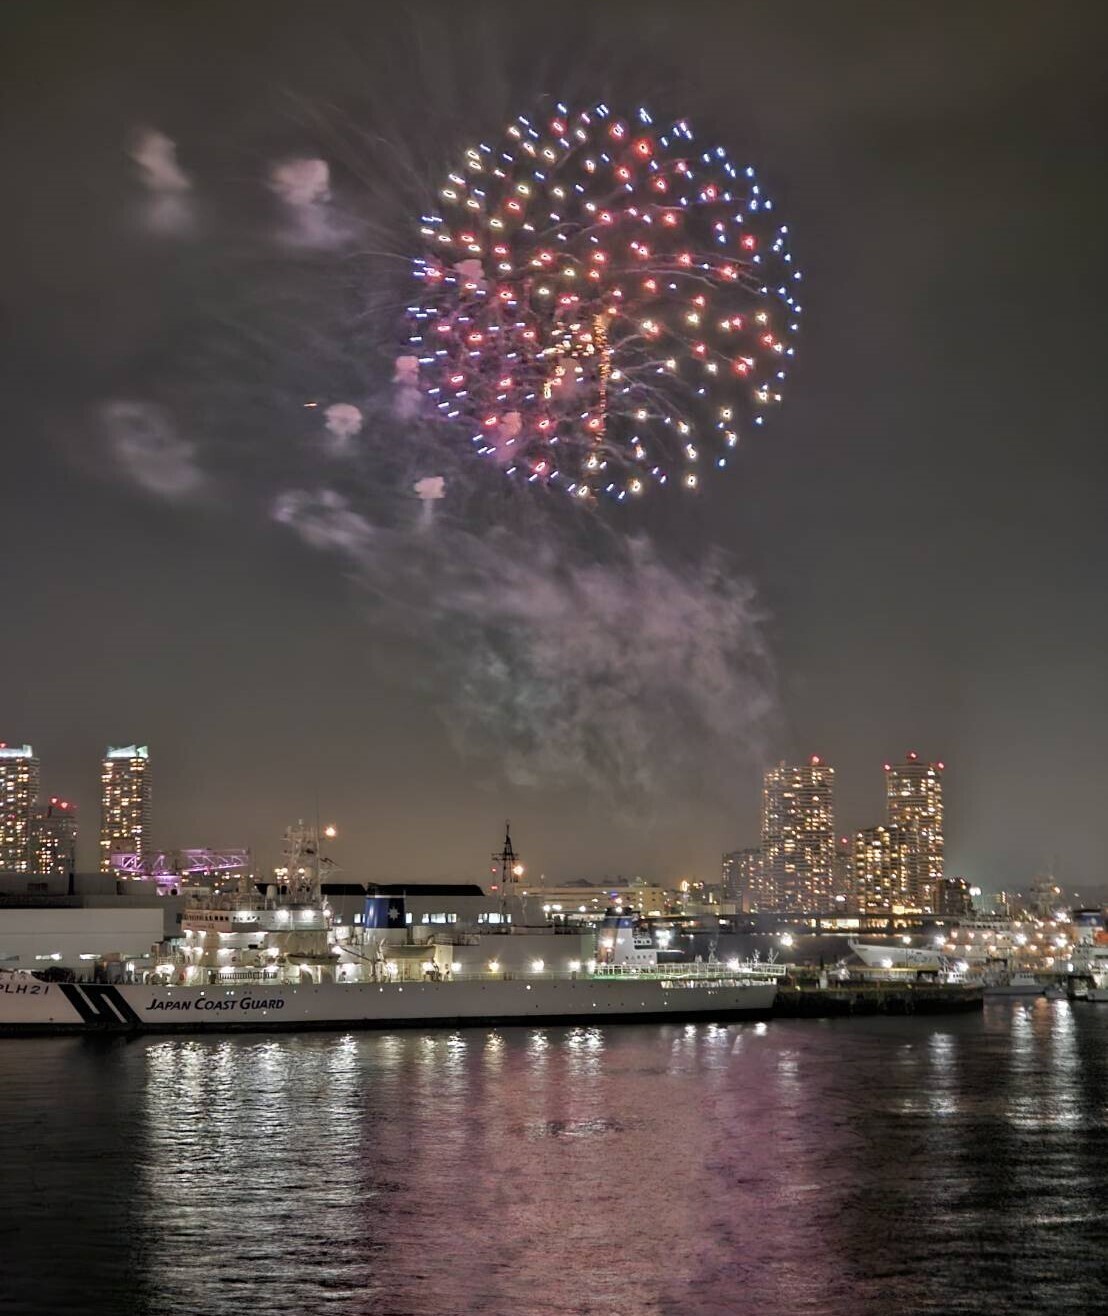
[694, 969]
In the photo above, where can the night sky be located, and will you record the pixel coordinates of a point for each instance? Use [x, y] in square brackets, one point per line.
[914, 555]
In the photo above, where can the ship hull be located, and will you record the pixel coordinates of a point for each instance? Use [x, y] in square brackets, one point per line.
[28, 1006]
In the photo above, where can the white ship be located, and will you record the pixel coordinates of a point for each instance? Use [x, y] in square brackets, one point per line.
[28, 1005]
[283, 961]
[891, 956]
[1089, 962]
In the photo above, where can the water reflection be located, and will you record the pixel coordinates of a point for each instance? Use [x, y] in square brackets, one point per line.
[841, 1167]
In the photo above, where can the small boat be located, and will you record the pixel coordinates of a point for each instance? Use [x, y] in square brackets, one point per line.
[1019, 983]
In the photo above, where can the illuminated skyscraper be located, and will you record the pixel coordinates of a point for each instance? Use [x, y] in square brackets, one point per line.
[744, 881]
[124, 803]
[18, 790]
[54, 838]
[884, 869]
[914, 798]
[798, 835]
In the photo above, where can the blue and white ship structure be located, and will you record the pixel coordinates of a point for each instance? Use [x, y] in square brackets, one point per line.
[282, 958]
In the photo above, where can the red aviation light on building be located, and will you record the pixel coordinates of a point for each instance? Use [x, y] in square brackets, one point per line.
[912, 756]
[940, 766]
[888, 767]
[815, 760]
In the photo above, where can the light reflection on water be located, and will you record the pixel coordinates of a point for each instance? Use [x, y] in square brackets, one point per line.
[931, 1165]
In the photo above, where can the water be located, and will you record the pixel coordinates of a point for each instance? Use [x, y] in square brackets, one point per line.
[947, 1165]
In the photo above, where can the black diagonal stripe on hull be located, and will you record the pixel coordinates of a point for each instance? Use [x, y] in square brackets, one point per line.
[100, 1006]
[76, 998]
[113, 997]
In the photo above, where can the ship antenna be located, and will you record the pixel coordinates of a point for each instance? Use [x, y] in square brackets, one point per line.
[510, 868]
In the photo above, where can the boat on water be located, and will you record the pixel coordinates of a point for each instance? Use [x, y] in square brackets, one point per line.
[877, 955]
[998, 981]
[29, 1005]
[279, 959]
[1016, 983]
[1089, 962]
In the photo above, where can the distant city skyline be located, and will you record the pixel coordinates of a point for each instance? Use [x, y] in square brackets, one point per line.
[911, 787]
[802, 864]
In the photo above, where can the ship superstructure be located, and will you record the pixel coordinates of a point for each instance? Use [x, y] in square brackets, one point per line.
[280, 956]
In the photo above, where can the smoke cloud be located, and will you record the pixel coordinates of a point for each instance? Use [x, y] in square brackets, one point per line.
[408, 399]
[144, 444]
[343, 422]
[324, 519]
[619, 670]
[304, 187]
[168, 206]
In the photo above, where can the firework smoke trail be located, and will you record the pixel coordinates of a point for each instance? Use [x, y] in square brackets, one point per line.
[550, 638]
[572, 661]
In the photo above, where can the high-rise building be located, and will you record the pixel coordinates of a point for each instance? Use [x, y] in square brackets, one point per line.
[54, 837]
[843, 888]
[884, 870]
[952, 897]
[798, 835]
[914, 801]
[124, 803]
[744, 881]
[18, 791]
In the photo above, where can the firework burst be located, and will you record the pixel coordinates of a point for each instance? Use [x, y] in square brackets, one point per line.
[604, 306]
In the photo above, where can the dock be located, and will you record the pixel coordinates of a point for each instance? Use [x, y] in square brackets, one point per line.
[811, 1001]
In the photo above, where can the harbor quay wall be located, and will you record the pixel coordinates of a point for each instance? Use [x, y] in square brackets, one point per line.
[812, 1002]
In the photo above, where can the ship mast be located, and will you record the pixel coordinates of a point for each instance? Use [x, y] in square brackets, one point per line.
[302, 864]
[510, 870]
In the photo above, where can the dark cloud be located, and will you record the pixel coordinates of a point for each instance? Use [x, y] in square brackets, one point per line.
[923, 527]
